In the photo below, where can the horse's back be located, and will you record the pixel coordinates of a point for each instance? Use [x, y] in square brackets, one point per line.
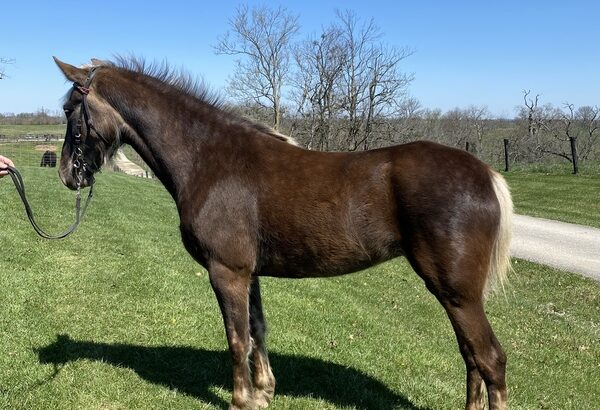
[434, 183]
[333, 213]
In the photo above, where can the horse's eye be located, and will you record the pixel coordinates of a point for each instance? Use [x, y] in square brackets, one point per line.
[67, 111]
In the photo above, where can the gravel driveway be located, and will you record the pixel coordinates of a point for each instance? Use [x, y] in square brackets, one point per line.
[570, 247]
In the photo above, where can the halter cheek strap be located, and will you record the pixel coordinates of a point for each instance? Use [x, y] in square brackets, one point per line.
[84, 113]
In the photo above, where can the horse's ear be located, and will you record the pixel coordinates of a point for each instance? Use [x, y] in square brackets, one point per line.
[77, 75]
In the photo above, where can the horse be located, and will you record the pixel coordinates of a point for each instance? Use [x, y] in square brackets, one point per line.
[253, 203]
[48, 159]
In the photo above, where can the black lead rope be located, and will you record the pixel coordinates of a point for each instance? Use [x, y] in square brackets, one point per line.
[79, 211]
[78, 163]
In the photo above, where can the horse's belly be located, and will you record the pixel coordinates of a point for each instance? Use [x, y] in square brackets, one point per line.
[308, 260]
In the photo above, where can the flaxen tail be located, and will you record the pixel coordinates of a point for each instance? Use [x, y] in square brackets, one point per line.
[500, 261]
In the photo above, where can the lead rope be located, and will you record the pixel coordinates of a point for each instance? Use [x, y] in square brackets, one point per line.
[78, 163]
[79, 211]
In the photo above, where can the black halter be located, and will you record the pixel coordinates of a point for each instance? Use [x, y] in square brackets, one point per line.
[78, 163]
[85, 118]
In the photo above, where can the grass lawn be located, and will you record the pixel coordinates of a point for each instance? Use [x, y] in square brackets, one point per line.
[118, 316]
[554, 193]
[20, 130]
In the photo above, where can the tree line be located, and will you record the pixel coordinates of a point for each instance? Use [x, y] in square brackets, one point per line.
[40, 117]
[342, 84]
[344, 89]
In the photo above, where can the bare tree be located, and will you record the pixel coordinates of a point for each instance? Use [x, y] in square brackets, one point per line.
[548, 131]
[407, 123]
[320, 63]
[466, 126]
[537, 125]
[431, 124]
[3, 62]
[589, 118]
[531, 113]
[569, 131]
[349, 88]
[556, 129]
[261, 39]
[373, 85]
[479, 120]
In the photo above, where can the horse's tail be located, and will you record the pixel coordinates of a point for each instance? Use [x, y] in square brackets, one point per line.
[500, 260]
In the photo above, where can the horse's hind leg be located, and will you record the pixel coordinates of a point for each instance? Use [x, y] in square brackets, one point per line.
[483, 355]
[264, 381]
[231, 289]
[458, 285]
[475, 384]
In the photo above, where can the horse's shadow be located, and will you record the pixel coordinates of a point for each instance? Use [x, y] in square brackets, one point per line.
[194, 371]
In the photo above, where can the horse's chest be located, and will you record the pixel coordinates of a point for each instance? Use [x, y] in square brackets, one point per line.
[223, 225]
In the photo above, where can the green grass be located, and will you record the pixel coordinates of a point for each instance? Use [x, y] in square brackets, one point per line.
[19, 130]
[552, 192]
[118, 316]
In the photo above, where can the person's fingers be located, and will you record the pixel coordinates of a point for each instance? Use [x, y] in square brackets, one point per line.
[5, 162]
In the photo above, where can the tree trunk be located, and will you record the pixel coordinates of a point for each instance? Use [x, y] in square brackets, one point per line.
[573, 141]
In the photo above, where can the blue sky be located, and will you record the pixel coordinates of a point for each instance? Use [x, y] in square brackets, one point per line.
[466, 52]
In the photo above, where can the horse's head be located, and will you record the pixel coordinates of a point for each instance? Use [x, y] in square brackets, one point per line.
[93, 127]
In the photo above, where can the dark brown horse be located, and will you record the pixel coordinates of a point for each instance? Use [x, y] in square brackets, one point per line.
[48, 159]
[253, 204]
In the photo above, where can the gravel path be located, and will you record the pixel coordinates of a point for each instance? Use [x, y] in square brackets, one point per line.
[122, 164]
[570, 247]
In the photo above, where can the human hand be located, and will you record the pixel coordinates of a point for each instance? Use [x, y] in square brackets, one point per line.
[5, 163]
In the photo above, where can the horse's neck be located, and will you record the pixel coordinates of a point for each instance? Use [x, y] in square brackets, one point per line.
[168, 152]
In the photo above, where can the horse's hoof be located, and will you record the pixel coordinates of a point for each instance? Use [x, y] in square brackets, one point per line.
[246, 406]
[234, 407]
[262, 400]
[262, 397]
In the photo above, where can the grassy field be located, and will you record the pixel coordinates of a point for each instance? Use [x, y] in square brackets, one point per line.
[19, 130]
[28, 154]
[118, 316]
[552, 192]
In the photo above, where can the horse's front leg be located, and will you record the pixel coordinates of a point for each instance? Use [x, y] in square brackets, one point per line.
[231, 288]
[264, 381]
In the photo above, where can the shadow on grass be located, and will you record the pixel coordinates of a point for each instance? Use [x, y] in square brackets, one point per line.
[194, 371]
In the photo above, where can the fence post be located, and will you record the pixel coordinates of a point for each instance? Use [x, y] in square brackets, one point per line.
[506, 163]
[573, 141]
[467, 146]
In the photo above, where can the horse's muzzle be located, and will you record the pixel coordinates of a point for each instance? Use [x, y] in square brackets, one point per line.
[68, 176]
